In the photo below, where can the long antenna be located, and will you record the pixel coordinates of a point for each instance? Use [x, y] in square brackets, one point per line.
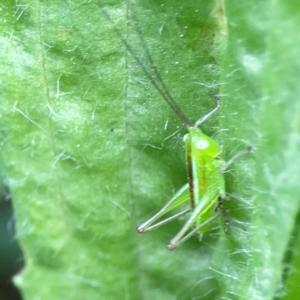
[163, 89]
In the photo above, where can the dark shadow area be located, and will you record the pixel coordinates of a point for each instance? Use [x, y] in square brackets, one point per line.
[11, 256]
[8, 291]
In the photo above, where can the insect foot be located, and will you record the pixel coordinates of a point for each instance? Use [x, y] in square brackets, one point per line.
[171, 246]
[140, 230]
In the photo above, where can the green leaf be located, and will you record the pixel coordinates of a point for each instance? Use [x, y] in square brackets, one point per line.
[91, 150]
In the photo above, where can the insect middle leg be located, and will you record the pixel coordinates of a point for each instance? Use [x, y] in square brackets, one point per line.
[224, 167]
[207, 201]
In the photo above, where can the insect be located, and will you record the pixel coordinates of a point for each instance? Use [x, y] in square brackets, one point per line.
[205, 189]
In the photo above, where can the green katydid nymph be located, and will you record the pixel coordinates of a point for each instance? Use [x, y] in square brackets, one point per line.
[205, 189]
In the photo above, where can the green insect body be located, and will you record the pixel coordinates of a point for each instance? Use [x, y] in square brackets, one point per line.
[205, 186]
[204, 177]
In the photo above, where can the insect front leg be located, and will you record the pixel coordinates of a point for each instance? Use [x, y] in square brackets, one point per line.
[208, 115]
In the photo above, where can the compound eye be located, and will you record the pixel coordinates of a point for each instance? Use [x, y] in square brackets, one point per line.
[202, 145]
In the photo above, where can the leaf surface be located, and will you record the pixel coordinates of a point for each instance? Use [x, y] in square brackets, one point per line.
[91, 150]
